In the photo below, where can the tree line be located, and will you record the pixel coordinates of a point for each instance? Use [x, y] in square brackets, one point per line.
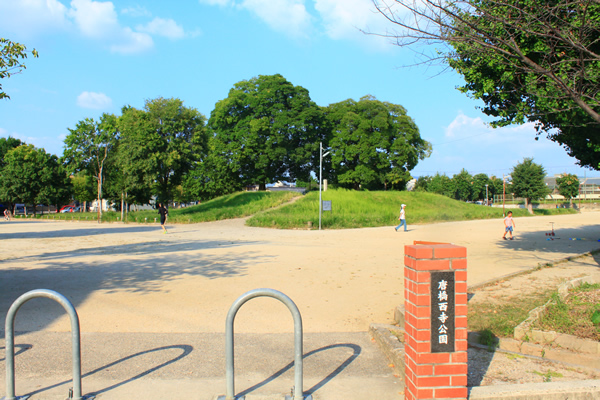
[266, 130]
[526, 180]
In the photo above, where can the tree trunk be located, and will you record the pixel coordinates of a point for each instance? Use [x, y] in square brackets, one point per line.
[529, 206]
[122, 205]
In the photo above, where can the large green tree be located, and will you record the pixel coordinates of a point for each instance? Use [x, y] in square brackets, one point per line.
[527, 60]
[441, 184]
[12, 56]
[32, 176]
[568, 186]
[160, 144]
[374, 144]
[88, 146]
[528, 182]
[479, 187]
[267, 130]
[211, 177]
[463, 185]
[496, 186]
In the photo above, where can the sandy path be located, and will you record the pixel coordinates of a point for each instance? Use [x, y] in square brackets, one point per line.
[132, 278]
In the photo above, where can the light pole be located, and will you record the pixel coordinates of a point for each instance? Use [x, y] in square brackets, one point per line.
[321, 155]
[486, 194]
[503, 193]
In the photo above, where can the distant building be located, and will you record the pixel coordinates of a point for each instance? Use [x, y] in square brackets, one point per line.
[589, 188]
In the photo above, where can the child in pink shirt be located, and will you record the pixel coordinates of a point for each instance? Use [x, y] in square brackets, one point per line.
[509, 225]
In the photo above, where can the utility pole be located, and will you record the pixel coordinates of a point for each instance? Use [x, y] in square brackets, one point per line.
[321, 180]
[486, 194]
[503, 194]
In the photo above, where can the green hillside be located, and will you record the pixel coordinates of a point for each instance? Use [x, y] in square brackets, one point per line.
[290, 210]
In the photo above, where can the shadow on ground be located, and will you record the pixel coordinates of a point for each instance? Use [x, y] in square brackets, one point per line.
[356, 352]
[138, 268]
[185, 351]
[87, 230]
[572, 240]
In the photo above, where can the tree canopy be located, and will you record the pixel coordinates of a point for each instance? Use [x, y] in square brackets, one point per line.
[568, 186]
[527, 60]
[441, 184]
[267, 130]
[32, 176]
[12, 56]
[463, 185]
[161, 143]
[88, 146]
[528, 181]
[374, 143]
[7, 144]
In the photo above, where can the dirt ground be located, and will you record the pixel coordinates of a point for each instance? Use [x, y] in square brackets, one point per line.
[133, 278]
[497, 368]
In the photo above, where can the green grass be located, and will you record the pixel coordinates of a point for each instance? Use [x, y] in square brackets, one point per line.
[361, 209]
[237, 205]
[573, 314]
[350, 209]
[500, 319]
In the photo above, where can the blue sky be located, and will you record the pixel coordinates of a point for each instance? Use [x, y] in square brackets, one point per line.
[98, 56]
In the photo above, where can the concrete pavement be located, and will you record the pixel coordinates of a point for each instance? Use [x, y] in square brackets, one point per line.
[183, 366]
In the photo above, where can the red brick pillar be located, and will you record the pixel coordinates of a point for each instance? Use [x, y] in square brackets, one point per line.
[435, 299]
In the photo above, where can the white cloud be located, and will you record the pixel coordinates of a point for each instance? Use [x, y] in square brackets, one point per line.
[470, 143]
[462, 124]
[137, 11]
[96, 101]
[163, 27]
[343, 18]
[95, 19]
[132, 42]
[32, 17]
[477, 130]
[286, 16]
[99, 20]
[339, 19]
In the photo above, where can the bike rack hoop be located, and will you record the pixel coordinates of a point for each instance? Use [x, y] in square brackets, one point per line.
[10, 342]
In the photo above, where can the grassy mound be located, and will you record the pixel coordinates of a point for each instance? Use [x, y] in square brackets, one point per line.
[350, 209]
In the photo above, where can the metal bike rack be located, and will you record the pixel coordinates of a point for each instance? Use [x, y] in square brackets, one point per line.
[10, 342]
[297, 391]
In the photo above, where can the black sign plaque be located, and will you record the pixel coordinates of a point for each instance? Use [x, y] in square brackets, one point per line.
[442, 311]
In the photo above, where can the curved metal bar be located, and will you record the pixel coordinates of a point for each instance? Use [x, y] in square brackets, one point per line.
[298, 368]
[10, 339]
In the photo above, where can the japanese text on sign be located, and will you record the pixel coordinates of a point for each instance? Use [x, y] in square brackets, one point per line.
[442, 312]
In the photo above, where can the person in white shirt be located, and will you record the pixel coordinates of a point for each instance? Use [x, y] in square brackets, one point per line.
[402, 218]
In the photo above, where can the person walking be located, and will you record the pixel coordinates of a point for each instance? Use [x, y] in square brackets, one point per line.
[509, 225]
[402, 218]
[164, 213]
